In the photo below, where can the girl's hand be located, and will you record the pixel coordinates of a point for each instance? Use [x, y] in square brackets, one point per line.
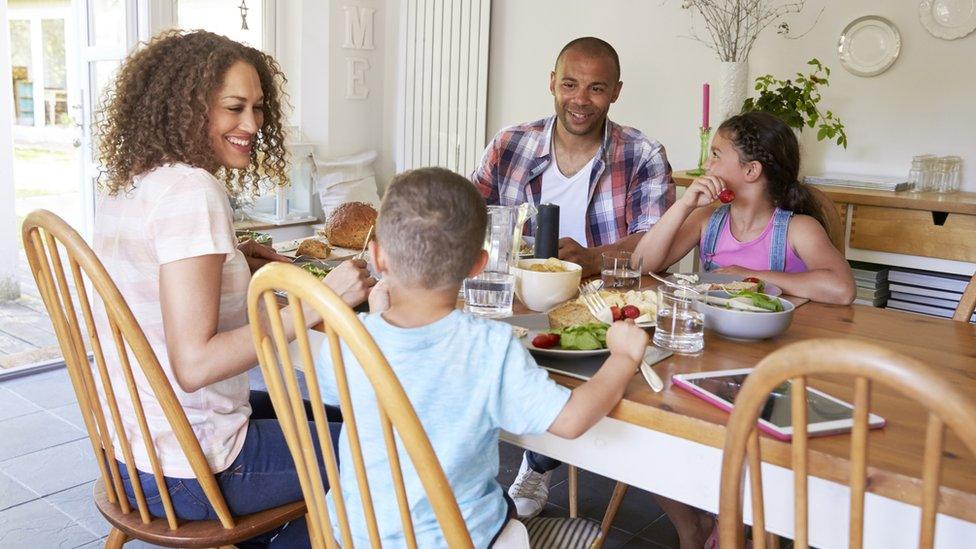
[257, 255]
[351, 281]
[703, 191]
[736, 270]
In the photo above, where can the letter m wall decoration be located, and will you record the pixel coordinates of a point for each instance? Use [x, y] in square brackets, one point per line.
[358, 36]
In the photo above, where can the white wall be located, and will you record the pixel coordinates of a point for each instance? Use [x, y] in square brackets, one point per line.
[9, 288]
[925, 103]
[312, 56]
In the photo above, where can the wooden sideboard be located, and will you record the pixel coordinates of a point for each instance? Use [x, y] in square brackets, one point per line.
[935, 225]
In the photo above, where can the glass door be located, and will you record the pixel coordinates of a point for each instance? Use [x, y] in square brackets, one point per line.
[109, 30]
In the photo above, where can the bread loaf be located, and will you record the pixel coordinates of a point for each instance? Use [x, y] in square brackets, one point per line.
[314, 248]
[349, 224]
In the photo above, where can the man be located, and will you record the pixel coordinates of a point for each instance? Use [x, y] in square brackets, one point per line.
[610, 181]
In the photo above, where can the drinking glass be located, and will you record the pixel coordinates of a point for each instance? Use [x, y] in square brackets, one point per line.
[489, 294]
[621, 271]
[680, 325]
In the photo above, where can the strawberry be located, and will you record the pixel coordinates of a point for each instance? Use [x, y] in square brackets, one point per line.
[630, 311]
[726, 196]
[752, 279]
[545, 341]
[616, 313]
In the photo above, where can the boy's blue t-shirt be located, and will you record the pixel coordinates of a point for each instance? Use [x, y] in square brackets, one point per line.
[467, 378]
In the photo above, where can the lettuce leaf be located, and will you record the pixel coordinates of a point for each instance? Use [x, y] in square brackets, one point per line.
[583, 337]
[760, 300]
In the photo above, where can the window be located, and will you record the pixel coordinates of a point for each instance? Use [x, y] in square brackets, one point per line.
[225, 18]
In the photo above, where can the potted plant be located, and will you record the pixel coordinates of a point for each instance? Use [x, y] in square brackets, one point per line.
[795, 101]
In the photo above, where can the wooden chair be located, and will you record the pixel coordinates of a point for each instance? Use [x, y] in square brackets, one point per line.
[836, 226]
[48, 239]
[397, 414]
[867, 363]
[967, 303]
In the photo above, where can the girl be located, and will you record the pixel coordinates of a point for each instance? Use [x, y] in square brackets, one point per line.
[192, 120]
[772, 229]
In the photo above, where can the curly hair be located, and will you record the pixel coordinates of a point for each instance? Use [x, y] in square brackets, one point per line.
[157, 112]
[763, 137]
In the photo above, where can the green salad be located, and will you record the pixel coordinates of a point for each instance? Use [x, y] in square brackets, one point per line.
[583, 337]
[760, 300]
[315, 270]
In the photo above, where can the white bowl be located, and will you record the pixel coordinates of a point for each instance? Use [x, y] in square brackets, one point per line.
[746, 325]
[542, 291]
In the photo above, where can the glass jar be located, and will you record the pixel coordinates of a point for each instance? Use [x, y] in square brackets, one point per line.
[950, 174]
[920, 176]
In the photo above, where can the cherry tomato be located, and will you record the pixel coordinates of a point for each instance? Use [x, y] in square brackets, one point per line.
[630, 311]
[751, 279]
[546, 341]
[726, 196]
[616, 313]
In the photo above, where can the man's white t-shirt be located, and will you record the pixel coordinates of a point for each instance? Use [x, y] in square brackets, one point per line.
[571, 194]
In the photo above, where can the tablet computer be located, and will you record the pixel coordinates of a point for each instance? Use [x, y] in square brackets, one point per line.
[825, 414]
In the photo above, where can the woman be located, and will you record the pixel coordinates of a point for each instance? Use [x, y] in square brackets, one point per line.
[193, 119]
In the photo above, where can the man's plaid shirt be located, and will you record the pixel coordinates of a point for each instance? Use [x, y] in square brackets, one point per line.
[630, 184]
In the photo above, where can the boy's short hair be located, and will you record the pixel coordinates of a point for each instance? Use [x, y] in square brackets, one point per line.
[431, 226]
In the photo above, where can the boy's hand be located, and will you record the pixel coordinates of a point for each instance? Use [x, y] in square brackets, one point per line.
[351, 281]
[626, 339]
[703, 191]
[379, 298]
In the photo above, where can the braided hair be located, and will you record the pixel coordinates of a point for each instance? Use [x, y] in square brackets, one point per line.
[764, 138]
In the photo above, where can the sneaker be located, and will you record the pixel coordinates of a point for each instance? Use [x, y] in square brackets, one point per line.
[530, 491]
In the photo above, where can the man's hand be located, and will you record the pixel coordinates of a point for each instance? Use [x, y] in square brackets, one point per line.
[570, 250]
[351, 281]
[258, 255]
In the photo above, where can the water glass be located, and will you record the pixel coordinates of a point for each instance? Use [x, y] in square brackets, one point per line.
[489, 294]
[680, 325]
[621, 271]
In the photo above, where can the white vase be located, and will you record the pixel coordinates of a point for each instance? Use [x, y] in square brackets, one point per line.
[732, 89]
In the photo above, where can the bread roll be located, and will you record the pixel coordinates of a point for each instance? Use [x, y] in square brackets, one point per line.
[315, 248]
[349, 224]
[570, 313]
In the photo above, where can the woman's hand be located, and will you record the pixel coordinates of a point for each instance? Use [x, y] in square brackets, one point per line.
[258, 255]
[703, 191]
[351, 281]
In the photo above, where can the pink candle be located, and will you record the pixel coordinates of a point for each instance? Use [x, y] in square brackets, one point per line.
[705, 105]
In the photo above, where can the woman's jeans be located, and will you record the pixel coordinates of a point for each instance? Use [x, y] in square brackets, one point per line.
[263, 476]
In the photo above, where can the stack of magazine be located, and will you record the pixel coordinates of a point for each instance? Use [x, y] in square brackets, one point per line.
[873, 182]
[926, 292]
[872, 283]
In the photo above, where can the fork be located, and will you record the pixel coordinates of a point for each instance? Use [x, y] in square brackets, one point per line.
[369, 233]
[599, 308]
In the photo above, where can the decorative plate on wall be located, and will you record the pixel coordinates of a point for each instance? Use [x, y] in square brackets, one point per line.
[948, 19]
[869, 45]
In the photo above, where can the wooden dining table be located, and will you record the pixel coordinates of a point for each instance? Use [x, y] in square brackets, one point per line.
[670, 443]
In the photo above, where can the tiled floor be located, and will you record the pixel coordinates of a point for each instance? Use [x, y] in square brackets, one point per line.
[47, 470]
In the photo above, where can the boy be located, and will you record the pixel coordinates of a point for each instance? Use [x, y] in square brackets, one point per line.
[467, 377]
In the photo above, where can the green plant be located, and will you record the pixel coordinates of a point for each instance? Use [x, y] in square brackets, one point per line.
[795, 101]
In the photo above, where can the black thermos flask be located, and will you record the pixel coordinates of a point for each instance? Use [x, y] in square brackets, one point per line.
[547, 231]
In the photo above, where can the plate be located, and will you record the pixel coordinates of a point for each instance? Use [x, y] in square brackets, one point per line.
[948, 19]
[288, 248]
[869, 45]
[567, 353]
[722, 278]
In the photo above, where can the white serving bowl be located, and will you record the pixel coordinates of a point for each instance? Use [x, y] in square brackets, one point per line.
[542, 291]
[745, 325]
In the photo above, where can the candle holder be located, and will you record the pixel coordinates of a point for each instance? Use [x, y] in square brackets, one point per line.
[705, 135]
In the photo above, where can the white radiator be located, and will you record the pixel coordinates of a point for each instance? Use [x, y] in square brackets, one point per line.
[443, 84]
